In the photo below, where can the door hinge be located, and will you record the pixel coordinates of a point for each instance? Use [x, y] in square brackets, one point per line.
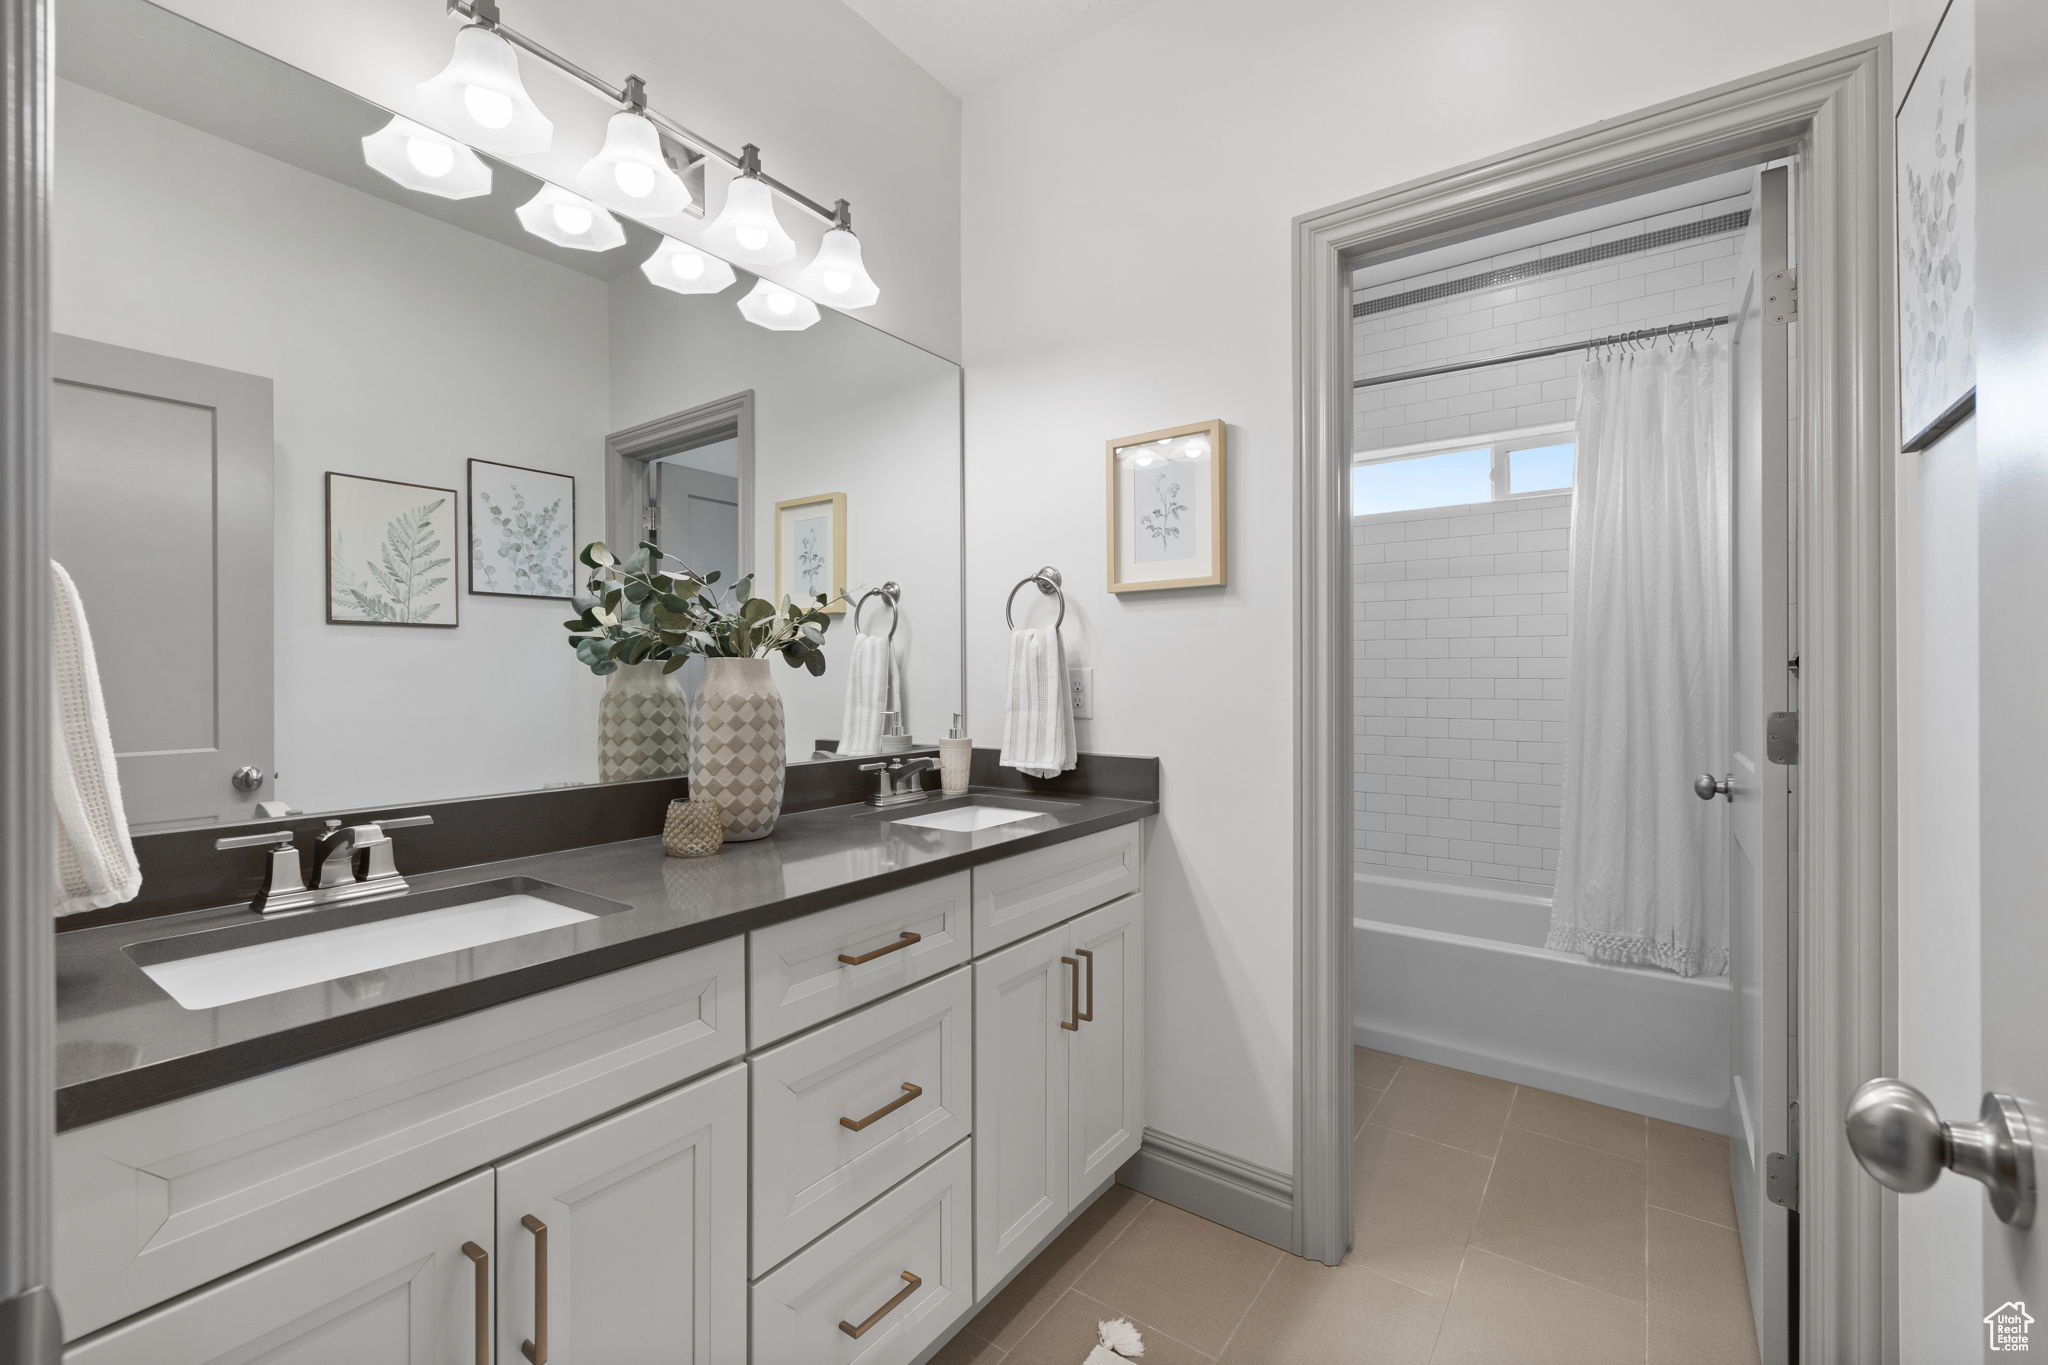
[1781, 737]
[1781, 296]
[1781, 1179]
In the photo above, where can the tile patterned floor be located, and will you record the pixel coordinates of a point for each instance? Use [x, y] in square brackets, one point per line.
[1494, 1223]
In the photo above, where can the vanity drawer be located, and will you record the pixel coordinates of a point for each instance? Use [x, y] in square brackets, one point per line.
[1019, 896]
[154, 1203]
[923, 1229]
[823, 1145]
[799, 975]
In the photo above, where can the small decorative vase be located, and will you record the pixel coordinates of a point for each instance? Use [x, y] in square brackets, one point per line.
[693, 829]
[643, 725]
[737, 749]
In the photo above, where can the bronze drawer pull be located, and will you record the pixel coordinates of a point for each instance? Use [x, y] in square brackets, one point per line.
[1074, 970]
[898, 946]
[910, 1287]
[1087, 1016]
[910, 1092]
[536, 1350]
[481, 1259]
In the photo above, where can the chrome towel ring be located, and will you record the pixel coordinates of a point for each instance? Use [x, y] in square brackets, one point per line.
[892, 596]
[1047, 581]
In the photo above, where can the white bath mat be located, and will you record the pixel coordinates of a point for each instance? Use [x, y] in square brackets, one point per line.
[1118, 1342]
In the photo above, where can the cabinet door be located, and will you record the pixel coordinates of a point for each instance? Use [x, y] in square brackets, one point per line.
[396, 1289]
[636, 1248]
[1022, 995]
[1108, 1073]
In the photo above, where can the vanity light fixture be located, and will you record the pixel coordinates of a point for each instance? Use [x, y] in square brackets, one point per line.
[770, 305]
[836, 274]
[681, 267]
[421, 159]
[570, 220]
[630, 172]
[479, 96]
[746, 231]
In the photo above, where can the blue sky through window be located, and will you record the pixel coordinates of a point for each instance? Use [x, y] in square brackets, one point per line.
[1447, 480]
[1540, 467]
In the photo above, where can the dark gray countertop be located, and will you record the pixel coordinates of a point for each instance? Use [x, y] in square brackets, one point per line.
[123, 1044]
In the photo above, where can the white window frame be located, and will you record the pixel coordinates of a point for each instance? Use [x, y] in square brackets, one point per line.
[1502, 444]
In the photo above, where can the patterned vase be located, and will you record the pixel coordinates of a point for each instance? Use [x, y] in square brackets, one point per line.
[643, 725]
[737, 749]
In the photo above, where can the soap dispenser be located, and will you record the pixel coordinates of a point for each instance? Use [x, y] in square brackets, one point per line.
[956, 758]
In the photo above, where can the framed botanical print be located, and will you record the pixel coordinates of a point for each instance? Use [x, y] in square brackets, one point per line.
[522, 531]
[1937, 219]
[1168, 519]
[390, 553]
[810, 549]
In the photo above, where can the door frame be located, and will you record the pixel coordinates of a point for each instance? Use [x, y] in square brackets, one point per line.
[1834, 111]
[628, 453]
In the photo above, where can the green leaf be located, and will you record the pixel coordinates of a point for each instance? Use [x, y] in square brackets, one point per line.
[596, 555]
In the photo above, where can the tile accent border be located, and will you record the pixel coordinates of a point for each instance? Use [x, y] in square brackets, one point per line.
[1247, 1198]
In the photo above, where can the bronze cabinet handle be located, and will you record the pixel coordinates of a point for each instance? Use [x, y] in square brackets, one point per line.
[1087, 1016]
[536, 1350]
[910, 1287]
[481, 1259]
[898, 946]
[1073, 970]
[910, 1092]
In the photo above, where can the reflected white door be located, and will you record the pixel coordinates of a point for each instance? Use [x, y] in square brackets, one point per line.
[1759, 878]
[160, 510]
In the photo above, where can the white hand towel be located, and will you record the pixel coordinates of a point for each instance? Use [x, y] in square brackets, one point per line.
[1038, 728]
[870, 676]
[95, 861]
[1117, 1341]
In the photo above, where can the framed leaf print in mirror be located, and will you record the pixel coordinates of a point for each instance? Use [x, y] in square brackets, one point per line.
[1167, 510]
[390, 553]
[522, 532]
[810, 549]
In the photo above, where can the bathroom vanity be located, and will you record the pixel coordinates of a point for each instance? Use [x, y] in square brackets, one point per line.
[814, 1099]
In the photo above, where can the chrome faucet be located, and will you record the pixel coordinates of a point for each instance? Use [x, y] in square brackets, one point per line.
[335, 879]
[896, 781]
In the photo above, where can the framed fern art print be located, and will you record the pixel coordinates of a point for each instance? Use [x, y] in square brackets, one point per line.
[522, 532]
[390, 553]
[1168, 519]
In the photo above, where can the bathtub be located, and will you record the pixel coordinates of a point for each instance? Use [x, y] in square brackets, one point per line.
[1455, 972]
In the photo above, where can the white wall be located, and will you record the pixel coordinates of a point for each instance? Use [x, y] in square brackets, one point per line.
[173, 241]
[1126, 266]
[837, 111]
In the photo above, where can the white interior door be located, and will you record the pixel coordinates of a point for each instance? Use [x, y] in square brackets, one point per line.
[1759, 800]
[160, 509]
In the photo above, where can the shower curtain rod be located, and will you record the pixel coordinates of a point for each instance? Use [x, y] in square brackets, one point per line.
[1617, 339]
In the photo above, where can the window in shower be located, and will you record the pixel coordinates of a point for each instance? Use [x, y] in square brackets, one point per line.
[1458, 475]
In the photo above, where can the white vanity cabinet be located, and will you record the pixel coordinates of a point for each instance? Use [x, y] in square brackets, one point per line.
[1059, 1093]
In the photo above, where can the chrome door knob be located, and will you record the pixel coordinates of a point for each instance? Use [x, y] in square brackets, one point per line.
[247, 778]
[1707, 786]
[1899, 1138]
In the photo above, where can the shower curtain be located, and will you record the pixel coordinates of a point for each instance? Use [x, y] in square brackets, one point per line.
[1641, 862]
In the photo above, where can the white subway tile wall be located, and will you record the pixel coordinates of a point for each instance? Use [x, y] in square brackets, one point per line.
[1461, 616]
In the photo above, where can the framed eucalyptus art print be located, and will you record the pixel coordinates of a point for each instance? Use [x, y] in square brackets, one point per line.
[390, 553]
[1937, 221]
[1168, 519]
[810, 549]
[522, 532]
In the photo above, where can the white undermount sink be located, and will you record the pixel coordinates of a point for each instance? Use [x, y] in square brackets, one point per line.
[262, 959]
[967, 819]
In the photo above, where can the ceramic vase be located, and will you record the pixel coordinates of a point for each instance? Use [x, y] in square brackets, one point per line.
[738, 753]
[643, 725]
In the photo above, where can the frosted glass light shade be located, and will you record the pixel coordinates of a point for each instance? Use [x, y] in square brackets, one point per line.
[421, 159]
[570, 220]
[837, 276]
[746, 230]
[629, 172]
[681, 267]
[770, 305]
[479, 97]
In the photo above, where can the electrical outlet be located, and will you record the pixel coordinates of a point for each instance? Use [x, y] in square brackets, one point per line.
[1081, 692]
